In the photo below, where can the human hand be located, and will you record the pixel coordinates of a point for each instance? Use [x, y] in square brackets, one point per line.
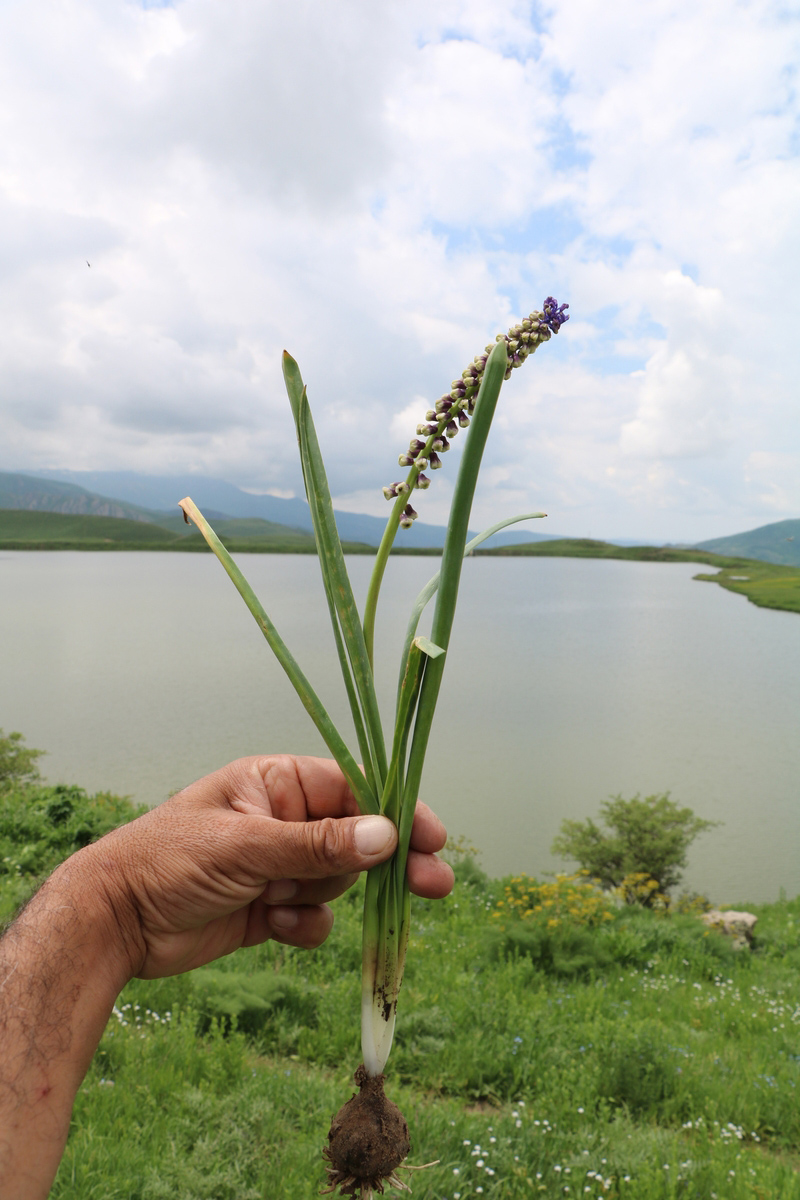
[251, 852]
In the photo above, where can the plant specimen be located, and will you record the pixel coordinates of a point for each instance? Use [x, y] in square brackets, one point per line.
[368, 1140]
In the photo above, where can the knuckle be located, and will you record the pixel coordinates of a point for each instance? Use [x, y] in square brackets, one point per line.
[328, 843]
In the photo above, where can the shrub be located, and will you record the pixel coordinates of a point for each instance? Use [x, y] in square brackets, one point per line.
[41, 826]
[17, 761]
[649, 837]
[552, 924]
[563, 953]
[249, 1003]
[570, 900]
[639, 1071]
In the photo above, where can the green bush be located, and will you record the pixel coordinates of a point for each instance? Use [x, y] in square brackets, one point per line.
[250, 1003]
[17, 761]
[568, 952]
[41, 826]
[639, 1071]
[648, 837]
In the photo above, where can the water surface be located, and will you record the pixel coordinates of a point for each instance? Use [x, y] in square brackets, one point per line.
[569, 680]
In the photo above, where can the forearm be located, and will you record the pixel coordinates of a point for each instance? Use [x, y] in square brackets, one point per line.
[62, 965]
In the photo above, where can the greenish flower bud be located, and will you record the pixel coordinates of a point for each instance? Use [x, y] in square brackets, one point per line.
[405, 460]
[423, 483]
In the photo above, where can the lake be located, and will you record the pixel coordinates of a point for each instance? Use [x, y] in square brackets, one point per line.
[569, 680]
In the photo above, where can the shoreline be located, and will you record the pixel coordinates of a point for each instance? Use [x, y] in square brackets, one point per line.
[767, 585]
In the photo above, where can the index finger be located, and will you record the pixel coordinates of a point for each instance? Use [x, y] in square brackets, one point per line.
[289, 787]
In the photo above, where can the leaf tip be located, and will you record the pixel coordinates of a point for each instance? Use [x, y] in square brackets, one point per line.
[186, 505]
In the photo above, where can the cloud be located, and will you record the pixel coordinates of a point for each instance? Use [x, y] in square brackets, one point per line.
[380, 190]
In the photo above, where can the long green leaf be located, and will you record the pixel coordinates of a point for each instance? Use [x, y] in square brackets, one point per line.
[334, 569]
[366, 798]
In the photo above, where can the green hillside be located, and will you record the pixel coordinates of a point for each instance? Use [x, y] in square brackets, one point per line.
[236, 527]
[776, 543]
[21, 529]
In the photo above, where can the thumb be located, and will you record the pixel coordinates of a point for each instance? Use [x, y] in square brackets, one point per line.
[331, 846]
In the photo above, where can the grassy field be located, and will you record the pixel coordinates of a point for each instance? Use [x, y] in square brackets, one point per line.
[765, 584]
[581, 1050]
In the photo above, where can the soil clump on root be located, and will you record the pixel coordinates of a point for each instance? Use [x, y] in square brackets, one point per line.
[367, 1142]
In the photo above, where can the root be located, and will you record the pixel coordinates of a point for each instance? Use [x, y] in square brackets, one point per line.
[367, 1143]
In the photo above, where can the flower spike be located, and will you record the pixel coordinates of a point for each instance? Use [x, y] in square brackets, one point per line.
[452, 411]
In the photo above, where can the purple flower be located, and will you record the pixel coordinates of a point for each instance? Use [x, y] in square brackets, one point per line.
[554, 316]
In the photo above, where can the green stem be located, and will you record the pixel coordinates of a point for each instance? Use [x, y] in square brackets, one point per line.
[376, 579]
[449, 578]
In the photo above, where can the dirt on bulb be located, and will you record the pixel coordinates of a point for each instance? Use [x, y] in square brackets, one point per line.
[367, 1142]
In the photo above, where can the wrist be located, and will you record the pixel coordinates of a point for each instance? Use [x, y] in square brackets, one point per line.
[105, 919]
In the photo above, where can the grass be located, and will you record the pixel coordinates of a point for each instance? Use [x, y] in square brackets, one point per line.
[578, 1050]
[768, 585]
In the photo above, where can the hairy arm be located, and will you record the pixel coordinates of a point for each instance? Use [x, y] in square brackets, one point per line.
[62, 964]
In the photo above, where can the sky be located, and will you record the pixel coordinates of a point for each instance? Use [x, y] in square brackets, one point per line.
[380, 189]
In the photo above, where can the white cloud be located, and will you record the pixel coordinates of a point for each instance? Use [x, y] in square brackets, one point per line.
[379, 189]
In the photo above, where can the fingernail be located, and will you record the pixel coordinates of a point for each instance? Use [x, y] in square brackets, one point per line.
[373, 834]
[284, 918]
[280, 890]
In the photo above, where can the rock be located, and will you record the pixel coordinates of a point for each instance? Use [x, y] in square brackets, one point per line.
[738, 926]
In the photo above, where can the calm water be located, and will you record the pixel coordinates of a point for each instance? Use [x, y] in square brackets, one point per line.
[569, 681]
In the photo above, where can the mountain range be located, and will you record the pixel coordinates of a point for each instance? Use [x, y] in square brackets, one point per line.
[153, 499]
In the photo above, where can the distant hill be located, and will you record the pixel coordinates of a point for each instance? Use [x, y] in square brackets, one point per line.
[22, 529]
[33, 529]
[776, 543]
[34, 494]
[216, 497]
